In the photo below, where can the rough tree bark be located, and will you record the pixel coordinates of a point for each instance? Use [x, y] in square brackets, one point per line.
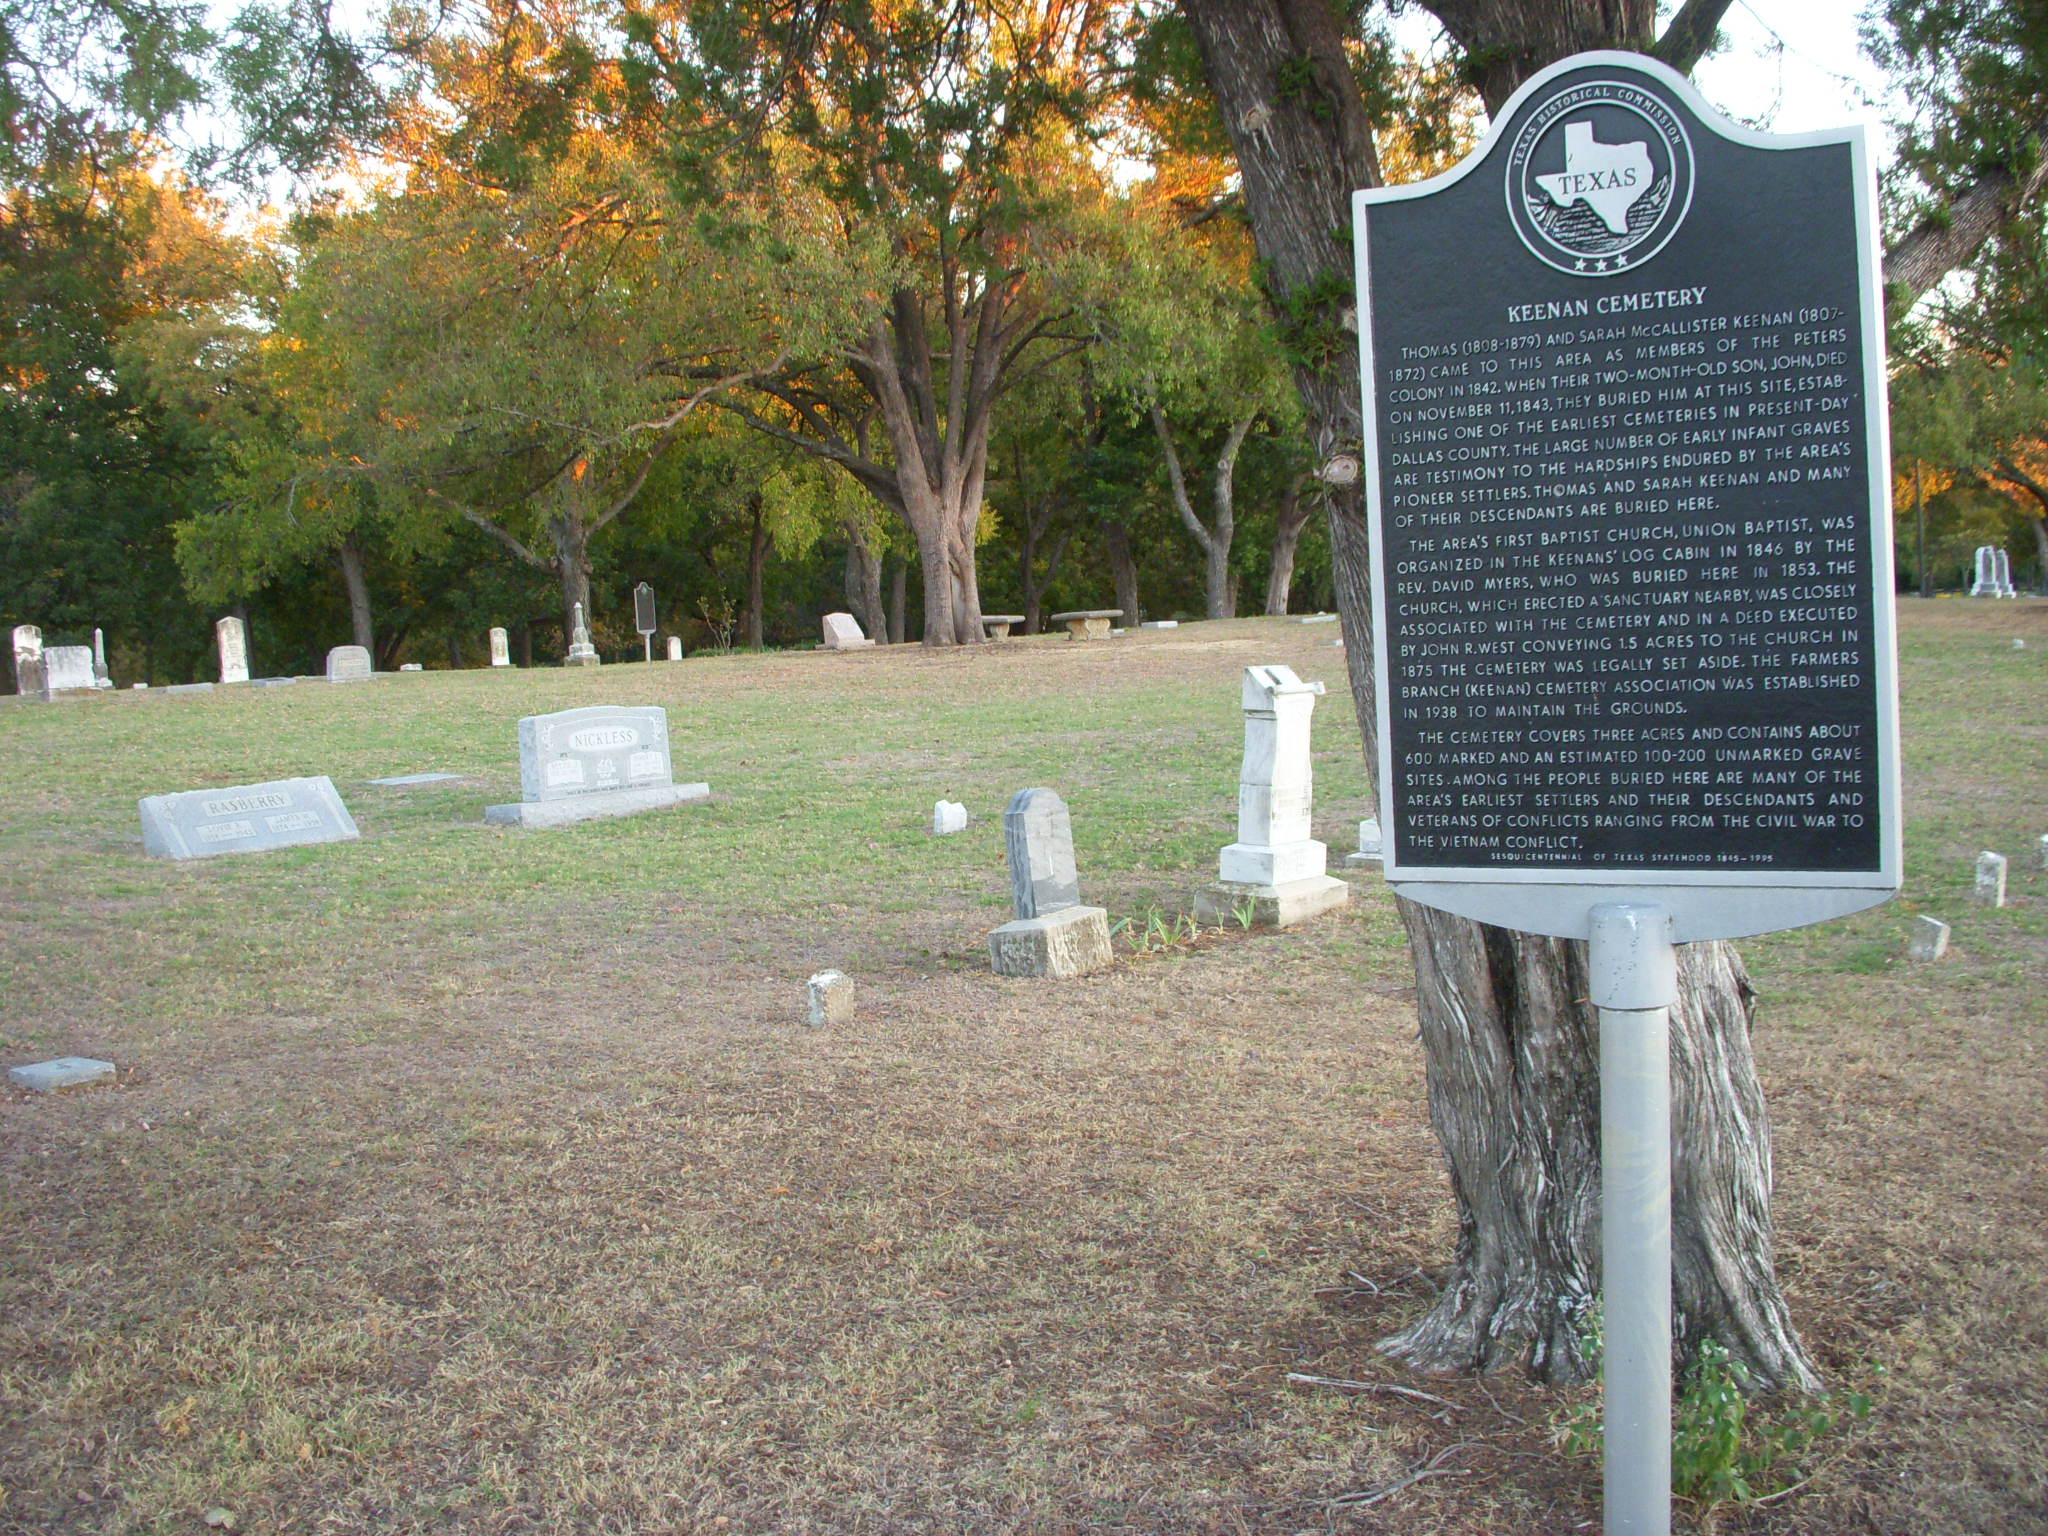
[358, 585]
[864, 584]
[759, 543]
[1509, 1046]
[1296, 507]
[1123, 568]
[1216, 536]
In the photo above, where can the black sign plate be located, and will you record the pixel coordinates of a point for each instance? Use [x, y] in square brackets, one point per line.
[1628, 482]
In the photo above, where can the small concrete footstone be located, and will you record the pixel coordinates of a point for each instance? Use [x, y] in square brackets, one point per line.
[830, 998]
[842, 633]
[1372, 848]
[64, 1072]
[948, 816]
[1991, 878]
[1929, 940]
[1070, 942]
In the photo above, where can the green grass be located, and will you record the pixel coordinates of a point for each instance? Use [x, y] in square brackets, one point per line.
[480, 1179]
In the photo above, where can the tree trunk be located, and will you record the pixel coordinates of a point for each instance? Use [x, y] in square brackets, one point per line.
[758, 544]
[864, 584]
[1216, 536]
[526, 642]
[1295, 509]
[1509, 1048]
[899, 601]
[1123, 570]
[358, 586]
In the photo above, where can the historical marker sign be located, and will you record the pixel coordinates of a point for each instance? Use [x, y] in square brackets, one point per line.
[1629, 487]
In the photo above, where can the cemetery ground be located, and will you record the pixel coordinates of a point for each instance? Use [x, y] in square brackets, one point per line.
[487, 1180]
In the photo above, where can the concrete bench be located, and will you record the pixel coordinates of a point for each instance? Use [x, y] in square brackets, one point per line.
[1088, 623]
[997, 625]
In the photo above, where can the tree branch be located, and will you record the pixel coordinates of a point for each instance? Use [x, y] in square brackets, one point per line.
[471, 514]
[1953, 233]
[1690, 34]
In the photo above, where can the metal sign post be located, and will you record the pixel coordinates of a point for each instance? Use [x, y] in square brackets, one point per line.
[1627, 478]
[643, 616]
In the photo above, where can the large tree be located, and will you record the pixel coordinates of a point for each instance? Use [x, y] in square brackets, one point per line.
[1511, 1044]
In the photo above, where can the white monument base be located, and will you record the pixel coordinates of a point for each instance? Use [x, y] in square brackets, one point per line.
[582, 659]
[1070, 942]
[612, 802]
[1272, 906]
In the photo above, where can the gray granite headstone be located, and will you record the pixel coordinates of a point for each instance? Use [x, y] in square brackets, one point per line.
[28, 660]
[584, 751]
[1040, 836]
[246, 819]
[68, 669]
[64, 1072]
[348, 664]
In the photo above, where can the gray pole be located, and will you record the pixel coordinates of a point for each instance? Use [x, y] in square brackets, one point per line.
[1634, 981]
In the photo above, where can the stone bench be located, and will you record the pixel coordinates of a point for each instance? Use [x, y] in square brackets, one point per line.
[1088, 623]
[997, 625]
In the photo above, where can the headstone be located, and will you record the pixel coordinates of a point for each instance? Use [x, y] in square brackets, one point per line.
[348, 664]
[1160, 624]
[2042, 856]
[1053, 934]
[606, 760]
[675, 647]
[189, 688]
[64, 1072]
[1371, 849]
[273, 682]
[581, 652]
[501, 647]
[842, 633]
[100, 676]
[948, 816]
[2003, 564]
[249, 818]
[68, 669]
[407, 780]
[1984, 577]
[1317, 618]
[1274, 865]
[829, 996]
[1991, 879]
[412, 666]
[1929, 940]
[28, 661]
[231, 636]
[1040, 837]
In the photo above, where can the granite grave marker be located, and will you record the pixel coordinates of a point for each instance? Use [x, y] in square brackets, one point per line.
[605, 760]
[249, 818]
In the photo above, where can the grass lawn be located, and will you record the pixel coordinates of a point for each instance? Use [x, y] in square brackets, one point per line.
[477, 1179]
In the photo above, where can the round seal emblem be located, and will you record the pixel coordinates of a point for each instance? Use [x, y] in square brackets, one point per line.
[1599, 177]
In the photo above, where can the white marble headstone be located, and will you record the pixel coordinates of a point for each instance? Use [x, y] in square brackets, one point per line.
[101, 678]
[348, 664]
[1991, 878]
[675, 647]
[68, 669]
[28, 660]
[232, 637]
[842, 633]
[501, 649]
[1276, 787]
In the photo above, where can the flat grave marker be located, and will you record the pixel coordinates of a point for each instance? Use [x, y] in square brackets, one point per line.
[248, 818]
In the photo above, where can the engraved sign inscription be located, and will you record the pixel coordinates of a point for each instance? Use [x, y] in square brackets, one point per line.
[1629, 496]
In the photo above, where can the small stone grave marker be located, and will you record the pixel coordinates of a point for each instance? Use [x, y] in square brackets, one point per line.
[1372, 848]
[581, 652]
[1929, 940]
[63, 1072]
[249, 818]
[501, 647]
[948, 816]
[1160, 624]
[406, 780]
[675, 647]
[348, 664]
[829, 996]
[1991, 878]
[606, 760]
[101, 677]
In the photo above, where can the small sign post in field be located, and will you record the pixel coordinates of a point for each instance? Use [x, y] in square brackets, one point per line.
[643, 616]
[1628, 482]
